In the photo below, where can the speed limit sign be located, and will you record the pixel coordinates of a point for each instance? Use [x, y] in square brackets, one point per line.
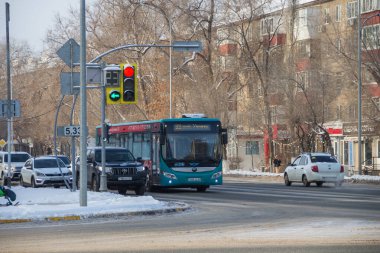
[71, 130]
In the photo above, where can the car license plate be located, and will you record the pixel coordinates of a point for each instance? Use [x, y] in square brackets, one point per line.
[194, 179]
[124, 178]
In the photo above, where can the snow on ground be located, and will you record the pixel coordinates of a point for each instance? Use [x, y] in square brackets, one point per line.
[355, 178]
[39, 203]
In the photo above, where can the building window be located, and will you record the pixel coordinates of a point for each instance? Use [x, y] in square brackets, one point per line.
[266, 26]
[274, 114]
[376, 101]
[326, 15]
[371, 36]
[338, 45]
[338, 13]
[302, 81]
[252, 148]
[369, 5]
[352, 10]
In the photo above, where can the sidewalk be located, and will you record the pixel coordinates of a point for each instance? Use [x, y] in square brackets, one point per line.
[49, 204]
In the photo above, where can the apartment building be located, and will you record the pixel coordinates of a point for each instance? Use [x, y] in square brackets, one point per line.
[298, 73]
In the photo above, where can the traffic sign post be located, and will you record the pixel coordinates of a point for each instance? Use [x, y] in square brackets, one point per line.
[15, 108]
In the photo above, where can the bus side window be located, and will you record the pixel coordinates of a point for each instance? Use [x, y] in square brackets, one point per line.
[145, 154]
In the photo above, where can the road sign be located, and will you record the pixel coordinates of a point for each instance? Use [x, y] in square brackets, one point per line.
[67, 85]
[69, 52]
[2, 143]
[15, 108]
[71, 130]
[94, 74]
[192, 46]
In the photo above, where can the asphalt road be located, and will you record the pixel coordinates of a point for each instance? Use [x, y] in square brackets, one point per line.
[243, 215]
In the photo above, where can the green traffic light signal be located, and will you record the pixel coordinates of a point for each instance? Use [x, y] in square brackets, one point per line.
[114, 95]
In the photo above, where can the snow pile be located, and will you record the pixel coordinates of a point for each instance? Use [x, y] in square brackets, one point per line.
[39, 203]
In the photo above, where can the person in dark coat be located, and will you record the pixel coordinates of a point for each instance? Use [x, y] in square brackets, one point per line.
[276, 162]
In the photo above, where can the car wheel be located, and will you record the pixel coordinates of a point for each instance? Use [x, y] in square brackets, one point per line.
[33, 182]
[305, 181]
[94, 183]
[22, 181]
[122, 191]
[140, 190]
[319, 184]
[286, 179]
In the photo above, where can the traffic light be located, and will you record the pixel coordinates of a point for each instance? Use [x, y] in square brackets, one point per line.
[112, 83]
[129, 84]
[113, 95]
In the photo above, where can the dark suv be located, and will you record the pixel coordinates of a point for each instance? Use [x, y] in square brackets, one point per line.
[122, 169]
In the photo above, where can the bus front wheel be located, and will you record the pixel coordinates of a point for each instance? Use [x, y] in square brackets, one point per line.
[202, 188]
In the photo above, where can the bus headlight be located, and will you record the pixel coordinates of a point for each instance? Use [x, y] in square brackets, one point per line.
[216, 175]
[169, 175]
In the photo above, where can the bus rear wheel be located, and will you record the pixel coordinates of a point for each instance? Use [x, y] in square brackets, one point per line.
[202, 188]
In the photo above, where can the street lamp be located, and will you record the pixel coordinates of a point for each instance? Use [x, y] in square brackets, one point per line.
[170, 68]
[360, 24]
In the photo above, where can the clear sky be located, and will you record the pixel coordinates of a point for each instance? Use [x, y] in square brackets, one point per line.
[30, 19]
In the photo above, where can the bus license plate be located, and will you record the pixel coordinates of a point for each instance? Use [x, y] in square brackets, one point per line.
[125, 178]
[195, 179]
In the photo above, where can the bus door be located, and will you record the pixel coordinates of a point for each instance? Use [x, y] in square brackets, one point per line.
[156, 158]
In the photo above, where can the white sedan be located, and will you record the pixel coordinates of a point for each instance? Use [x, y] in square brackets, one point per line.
[316, 168]
[45, 171]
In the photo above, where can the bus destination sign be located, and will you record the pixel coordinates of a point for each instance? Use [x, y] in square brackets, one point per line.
[191, 127]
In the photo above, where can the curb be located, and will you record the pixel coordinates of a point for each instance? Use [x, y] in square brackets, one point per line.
[177, 207]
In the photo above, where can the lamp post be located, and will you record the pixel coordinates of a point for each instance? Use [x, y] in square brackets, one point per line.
[170, 68]
[360, 24]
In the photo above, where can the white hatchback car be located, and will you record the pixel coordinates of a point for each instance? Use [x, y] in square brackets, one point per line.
[45, 171]
[316, 168]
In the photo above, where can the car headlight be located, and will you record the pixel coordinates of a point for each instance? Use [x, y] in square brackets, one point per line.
[169, 175]
[140, 168]
[40, 174]
[106, 169]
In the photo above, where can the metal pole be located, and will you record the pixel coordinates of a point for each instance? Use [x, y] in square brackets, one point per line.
[73, 168]
[7, 179]
[83, 106]
[170, 68]
[103, 177]
[359, 89]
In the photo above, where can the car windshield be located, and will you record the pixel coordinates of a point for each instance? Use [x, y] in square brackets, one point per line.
[115, 155]
[64, 159]
[47, 163]
[323, 159]
[17, 158]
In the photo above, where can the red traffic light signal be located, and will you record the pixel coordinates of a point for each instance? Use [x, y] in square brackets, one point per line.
[129, 84]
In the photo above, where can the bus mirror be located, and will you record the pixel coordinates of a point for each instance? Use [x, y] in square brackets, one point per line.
[224, 136]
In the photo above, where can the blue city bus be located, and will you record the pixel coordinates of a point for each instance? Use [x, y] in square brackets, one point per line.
[177, 152]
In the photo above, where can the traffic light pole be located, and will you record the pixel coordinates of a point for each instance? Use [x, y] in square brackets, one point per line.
[7, 178]
[103, 177]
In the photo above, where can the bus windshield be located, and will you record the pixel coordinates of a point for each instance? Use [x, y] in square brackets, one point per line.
[192, 147]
